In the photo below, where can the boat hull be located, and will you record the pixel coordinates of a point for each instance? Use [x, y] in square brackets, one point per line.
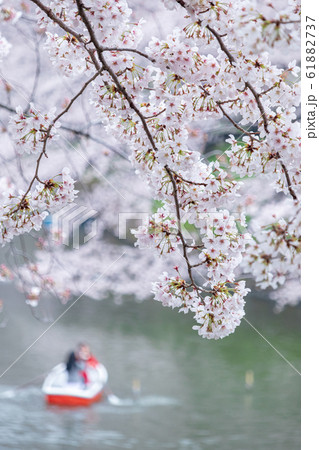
[69, 400]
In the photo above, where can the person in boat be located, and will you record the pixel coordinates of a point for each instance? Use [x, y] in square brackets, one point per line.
[78, 364]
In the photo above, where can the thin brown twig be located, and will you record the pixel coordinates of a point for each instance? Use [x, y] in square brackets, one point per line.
[187, 181]
[180, 233]
[155, 115]
[123, 49]
[249, 133]
[259, 104]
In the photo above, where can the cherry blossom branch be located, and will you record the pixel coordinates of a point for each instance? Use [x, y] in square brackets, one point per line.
[7, 108]
[256, 95]
[121, 89]
[278, 22]
[66, 109]
[22, 204]
[236, 125]
[259, 104]
[284, 168]
[251, 134]
[99, 50]
[268, 90]
[222, 45]
[81, 133]
[214, 33]
[180, 233]
[155, 127]
[48, 11]
[45, 140]
[284, 22]
[37, 73]
[265, 124]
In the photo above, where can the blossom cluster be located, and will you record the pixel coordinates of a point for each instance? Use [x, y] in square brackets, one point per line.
[276, 150]
[30, 129]
[5, 273]
[275, 147]
[215, 260]
[8, 14]
[275, 254]
[4, 47]
[20, 213]
[217, 316]
[176, 174]
[245, 25]
[68, 55]
[111, 23]
[160, 232]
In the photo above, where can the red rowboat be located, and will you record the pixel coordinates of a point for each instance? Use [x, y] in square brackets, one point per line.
[58, 391]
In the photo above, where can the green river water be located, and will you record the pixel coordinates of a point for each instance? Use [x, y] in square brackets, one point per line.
[193, 393]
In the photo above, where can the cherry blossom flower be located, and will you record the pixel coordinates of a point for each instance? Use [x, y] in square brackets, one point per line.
[5, 47]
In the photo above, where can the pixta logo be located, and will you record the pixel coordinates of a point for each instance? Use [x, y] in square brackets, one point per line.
[73, 225]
